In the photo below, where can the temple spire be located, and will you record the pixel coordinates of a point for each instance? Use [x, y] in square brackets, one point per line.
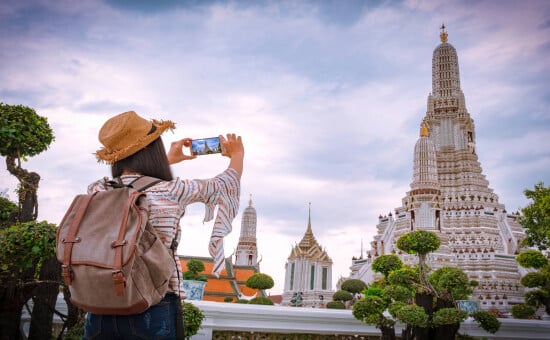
[309, 218]
[443, 35]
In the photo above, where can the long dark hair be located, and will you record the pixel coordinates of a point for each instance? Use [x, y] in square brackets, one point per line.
[149, 161]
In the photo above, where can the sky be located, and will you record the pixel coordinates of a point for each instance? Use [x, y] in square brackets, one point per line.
[328, 97]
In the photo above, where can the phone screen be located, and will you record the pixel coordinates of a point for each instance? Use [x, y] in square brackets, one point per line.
[206, 146]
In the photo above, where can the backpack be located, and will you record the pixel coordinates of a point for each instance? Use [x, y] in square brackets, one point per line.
[111, 258]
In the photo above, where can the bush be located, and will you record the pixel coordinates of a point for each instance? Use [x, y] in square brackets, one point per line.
[193, 318]
[260, 281]
[368, 306]
[228, 299]
[405, 276]
[26, 245]
[487, 321]
[353, 286]
[532, 259]
[243, 301]
[448, 316]
[413, 315]
[522, 311]
[23, 132]
[535, 279]
[385, 264]
[8, 212]
[194, 267]
[261, 300]
[342, 295]
[336, 305]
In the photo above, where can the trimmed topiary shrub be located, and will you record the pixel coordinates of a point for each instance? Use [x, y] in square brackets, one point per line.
[336, 305]
[260, 281]
[353, 286]
[193, 318]
[487, 321]
[342, 295]
[522, 311]
[261, 300]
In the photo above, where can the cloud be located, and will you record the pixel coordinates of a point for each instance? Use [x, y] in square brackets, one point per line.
[328, 97]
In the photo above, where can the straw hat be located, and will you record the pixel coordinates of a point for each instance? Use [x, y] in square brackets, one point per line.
[127, 133]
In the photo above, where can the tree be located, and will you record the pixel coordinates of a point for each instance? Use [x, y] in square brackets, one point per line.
[535, 218]
[539, 280]
[261, 282]
[423, 301]
[342, 296]
[419, 242]
[194, 268]
[23, 133]
[354, 286]
[385, 264]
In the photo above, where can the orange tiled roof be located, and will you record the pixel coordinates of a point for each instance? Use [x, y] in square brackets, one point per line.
[219, 286]
[242, 274]
[228, 284]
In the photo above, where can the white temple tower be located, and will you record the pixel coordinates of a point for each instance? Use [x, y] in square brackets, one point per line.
[450, 196]
[246, 253]
[308, 274]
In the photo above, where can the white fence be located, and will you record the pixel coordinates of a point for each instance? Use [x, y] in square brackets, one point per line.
[258, 318]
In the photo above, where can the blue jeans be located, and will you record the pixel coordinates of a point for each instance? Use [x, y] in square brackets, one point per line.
[157, 322]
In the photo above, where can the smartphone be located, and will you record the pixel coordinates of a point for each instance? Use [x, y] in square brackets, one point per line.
[206, 146]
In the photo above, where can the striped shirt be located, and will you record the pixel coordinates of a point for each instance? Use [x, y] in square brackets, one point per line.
[167, 203]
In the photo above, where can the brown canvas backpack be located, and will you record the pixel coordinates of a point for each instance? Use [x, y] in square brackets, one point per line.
[112, 259]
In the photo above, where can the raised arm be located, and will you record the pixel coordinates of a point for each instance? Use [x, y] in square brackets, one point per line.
[232, 147]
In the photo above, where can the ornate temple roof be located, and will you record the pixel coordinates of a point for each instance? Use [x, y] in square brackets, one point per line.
[309, 247]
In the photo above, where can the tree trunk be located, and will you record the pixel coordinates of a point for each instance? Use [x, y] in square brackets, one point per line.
[446, 331]
[28, 187]
[425, 301]
[407, 333]
[45, 300]
[388, 332]
[13, 299]
[46, 296]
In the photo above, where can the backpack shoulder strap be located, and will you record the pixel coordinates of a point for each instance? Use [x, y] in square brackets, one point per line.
[144, 182]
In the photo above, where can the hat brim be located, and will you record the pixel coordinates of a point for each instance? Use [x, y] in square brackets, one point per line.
[109, 157]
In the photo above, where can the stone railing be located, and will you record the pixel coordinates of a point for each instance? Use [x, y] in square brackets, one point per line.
[242, 321]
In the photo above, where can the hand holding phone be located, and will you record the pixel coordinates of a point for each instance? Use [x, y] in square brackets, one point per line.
[206, 146]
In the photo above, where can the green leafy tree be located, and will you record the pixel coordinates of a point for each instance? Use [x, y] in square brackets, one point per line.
[354, 286]
[385, 264]
[421, 243]
[261, 282]
[535, 217]
[23, 134]
[539, 281]
[423, 301]
[194, 269]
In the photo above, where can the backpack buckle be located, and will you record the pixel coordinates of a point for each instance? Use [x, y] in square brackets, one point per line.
[67, 274]
[119, 282]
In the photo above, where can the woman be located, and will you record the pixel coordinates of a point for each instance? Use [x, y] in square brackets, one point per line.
[134, 148]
